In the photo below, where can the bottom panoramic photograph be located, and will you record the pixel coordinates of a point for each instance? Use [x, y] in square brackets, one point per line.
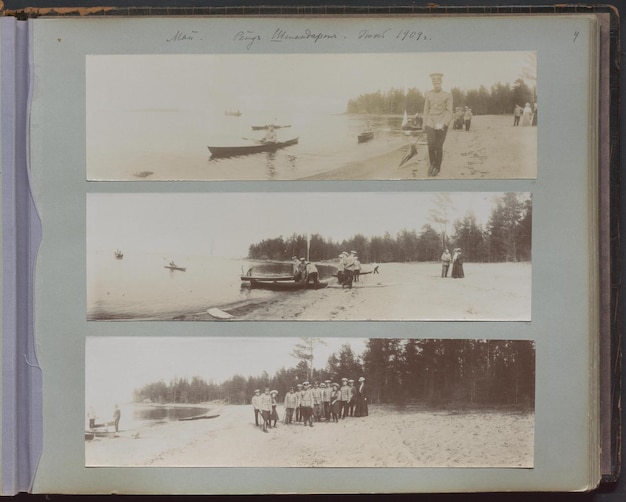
[309, 402]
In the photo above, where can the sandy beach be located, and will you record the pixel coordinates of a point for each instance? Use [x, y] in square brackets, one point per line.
[386, 438]
[491, 149]
[404, 291]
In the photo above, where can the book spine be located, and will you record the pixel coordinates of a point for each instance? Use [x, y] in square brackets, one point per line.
[22, 418]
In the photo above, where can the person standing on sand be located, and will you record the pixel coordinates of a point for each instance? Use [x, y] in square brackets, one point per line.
[256, 405]
[117, 414]
[446, 258]
[357, 268]
[326, 391]
[354, 392]
[317, 402]
[266, 409]
[345, 397]
[298, 402]
[91, 415]
[335, 403]
[312, 274]
[534, 121]
[375, 265]
[457, 265]
[290, 405]
[306, 404]
[467, 118]
[349, 267]
[438, 113]
[527, 115]
[361, 404]
[517, 113]
[340, 269]
[274, 414]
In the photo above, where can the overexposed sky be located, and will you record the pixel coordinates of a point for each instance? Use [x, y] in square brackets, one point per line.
[115, 366]
[283, 82]
[227, 223]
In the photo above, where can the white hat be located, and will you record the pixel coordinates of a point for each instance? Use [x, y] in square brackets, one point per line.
[361, 379]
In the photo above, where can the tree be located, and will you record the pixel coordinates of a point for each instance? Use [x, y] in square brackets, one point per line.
[440, 214]
[305, 351]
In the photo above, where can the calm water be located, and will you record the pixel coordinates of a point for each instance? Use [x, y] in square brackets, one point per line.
[135, 415]
[140, 287]
[173, 144]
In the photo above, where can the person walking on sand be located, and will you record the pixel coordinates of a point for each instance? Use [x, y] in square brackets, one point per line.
[117, 414]
[375, 265]
[345, 397]
[290, 405]
[446, 258]
[266, 409]
[256, 405]
[361, 404]
[457, 264]
[438, 113]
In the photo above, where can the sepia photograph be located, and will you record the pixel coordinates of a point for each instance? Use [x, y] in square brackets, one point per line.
[309, 402]
[309, 256]
[375, 116]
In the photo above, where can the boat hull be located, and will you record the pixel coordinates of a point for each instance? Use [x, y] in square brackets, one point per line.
[236, 151]
[286, 286]
[365, 136]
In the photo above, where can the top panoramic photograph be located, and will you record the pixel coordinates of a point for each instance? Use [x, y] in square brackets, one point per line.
[398, 116]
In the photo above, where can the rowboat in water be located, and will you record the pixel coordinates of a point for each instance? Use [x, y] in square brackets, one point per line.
[365, 136]
[259, 147]
[173, 266]
[267, 126]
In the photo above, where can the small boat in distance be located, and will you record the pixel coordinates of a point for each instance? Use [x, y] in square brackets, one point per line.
[258, 147]
[173, 266]
[118, 254]
[412, 124]
[230, 113]
[365, 136]
[267, 126]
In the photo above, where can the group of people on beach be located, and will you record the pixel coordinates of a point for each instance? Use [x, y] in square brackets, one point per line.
[462, 118]
[457, 264]
[307, 403]
[348, 269]
[304, 271]
[115, 422]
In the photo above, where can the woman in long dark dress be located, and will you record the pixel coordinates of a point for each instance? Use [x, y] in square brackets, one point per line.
[274, 413]
[335, 403]
[457, 265]
[361, 403]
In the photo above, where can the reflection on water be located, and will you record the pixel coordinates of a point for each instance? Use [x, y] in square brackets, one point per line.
[165, 413]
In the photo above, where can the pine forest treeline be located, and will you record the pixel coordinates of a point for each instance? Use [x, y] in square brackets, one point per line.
[505, 238]
[500, 99]
[436, 373]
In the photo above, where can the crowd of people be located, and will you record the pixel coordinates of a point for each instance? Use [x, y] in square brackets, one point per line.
[526, 114]
[456, 259]
[304, 271]
[307, 403]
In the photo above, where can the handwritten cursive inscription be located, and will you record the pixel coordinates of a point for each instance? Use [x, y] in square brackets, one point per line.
[249, 37]
[181, 35]
[368, 35]
[281, 35]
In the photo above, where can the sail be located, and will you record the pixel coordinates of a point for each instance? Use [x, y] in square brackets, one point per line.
[405, 119]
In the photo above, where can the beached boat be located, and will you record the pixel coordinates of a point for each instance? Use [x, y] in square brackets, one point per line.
[365, 136]
[285, 285]
[258, 147]
[267, 126]
[232, 114]
[198, 417]
[267, 278]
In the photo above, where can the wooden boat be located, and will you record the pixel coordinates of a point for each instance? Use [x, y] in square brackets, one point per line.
[234, 151]
[365, 136]
[173, 266]
[286, 286]
[267, 277]
[267, 126]
[414, 124]
[232, 114]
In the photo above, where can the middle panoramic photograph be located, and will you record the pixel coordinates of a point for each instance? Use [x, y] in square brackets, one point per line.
[393, 256]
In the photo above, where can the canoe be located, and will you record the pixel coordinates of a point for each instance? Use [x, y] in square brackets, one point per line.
[267, 278]
[219, 314]
[267, 126]
[365, 136]
[174, 267]
[199, 417]
[233, 151]
[285, 286]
